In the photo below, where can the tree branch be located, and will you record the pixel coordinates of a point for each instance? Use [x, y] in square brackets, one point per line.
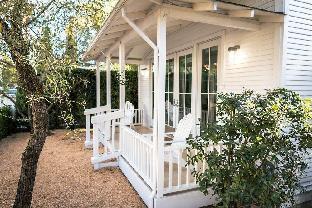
[2, 93]
[7, 63]
[40, 13]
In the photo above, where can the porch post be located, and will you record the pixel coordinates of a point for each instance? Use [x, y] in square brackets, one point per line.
[122, 67]
[108, 82]
[160, 102]
[98, 84]
[194, 86]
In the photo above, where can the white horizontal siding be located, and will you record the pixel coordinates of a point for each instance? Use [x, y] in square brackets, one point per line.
[269, 5]
[297, 73]
[298, 49]
[252, 66]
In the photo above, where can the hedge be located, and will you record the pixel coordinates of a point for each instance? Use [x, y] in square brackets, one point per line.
[7, 122]
[87, 93]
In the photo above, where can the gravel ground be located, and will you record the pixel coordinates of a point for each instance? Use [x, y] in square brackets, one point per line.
[65, 177]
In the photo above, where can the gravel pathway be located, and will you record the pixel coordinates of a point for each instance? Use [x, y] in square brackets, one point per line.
[65, 177]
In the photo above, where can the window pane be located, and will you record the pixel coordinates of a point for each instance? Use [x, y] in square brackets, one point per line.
[188, 103]
[171, 74]
[213, 70]
[167, 76]
[205, 70]
[204, 113]
[188, 74]
[181, 106]
[170, 109]
[212, 108]
[181, 73]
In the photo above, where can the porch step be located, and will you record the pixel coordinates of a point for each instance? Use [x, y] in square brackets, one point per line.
[104, 158]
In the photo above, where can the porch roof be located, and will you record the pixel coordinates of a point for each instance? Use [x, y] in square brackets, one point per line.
[180, 14]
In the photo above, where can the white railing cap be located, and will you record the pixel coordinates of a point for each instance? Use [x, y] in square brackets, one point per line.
[96, 110]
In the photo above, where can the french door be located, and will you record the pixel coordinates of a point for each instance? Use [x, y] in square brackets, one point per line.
[208, 79]
[178, 90]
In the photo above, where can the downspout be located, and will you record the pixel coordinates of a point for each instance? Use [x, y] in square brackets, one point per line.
[156, 60]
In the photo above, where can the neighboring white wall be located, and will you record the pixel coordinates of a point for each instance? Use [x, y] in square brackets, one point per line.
[297, 71]
[6, 102]
[145, 96]
[298, 47]
[254, 65]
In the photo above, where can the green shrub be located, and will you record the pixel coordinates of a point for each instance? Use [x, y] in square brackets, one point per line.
[264, 139]
[7, 122]
[86, 93]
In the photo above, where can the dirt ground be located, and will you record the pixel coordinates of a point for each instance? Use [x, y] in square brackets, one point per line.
[65, 177]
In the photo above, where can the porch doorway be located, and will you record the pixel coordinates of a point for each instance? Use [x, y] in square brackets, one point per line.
[208, 79]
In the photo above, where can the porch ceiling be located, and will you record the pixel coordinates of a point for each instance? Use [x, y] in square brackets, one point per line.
[180, 14]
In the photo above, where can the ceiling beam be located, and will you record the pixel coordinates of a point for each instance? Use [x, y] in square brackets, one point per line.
[110, 36]
[242, 13]
[210, 18]
[205, 6]
[159, 2]
[132, 16]
[274, 19]
[118, 28]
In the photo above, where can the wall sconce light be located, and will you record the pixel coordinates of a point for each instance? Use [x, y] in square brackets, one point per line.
[234, 48]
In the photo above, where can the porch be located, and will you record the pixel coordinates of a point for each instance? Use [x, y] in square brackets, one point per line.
[180, 73]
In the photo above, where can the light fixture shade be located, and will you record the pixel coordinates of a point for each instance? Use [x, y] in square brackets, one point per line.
[234, 48]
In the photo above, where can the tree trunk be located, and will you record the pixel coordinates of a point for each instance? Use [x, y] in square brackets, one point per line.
[13, 34]
[31, 155]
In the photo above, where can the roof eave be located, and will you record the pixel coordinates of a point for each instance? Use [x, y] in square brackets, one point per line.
[86, 56]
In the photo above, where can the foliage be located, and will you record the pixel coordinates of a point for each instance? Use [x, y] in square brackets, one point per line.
[7, 124]
[83, 96]
[264, 140]
[39, 38]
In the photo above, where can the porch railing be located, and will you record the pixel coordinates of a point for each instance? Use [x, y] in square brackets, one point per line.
[137, 150]
[89, 113]
[138, 116]
[177, 173]
[104, 136]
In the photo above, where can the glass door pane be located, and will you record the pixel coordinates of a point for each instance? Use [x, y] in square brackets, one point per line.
[169, 92]
[209, 67]
[185, 85]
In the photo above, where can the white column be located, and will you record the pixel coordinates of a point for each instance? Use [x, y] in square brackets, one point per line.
[108, 82]
[160, 102]
[98, 85]
[122, 68]
[150, 104]
[194, 86]
[88, 142]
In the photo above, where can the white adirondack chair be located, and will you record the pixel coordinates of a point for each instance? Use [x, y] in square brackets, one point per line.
[129, 114]
[183, 131]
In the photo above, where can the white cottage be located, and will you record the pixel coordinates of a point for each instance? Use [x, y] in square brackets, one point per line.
[188, 50]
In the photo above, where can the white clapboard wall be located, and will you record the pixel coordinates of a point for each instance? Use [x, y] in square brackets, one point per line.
[297, 73]
[298, 47]
[270, 5]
